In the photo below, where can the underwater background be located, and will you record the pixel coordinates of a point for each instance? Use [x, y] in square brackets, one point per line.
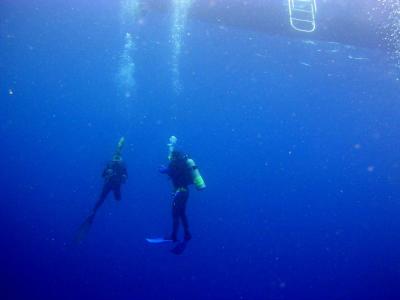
[297, 139]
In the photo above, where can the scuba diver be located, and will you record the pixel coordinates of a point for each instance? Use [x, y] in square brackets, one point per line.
[114, 174]
[183, 172]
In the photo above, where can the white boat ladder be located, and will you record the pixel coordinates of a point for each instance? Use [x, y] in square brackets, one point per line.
[302, 15]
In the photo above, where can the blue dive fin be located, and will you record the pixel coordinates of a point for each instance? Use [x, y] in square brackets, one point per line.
[158, 240]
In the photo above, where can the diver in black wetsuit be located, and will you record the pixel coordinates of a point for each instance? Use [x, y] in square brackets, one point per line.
[183, 172]
[114, 175]
[181, 177]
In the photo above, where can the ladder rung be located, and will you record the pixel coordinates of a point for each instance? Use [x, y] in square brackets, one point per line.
[301, 20]
[302, 10]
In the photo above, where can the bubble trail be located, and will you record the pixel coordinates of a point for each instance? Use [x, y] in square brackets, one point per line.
[390, 9]
[126, 73]
[181, 9]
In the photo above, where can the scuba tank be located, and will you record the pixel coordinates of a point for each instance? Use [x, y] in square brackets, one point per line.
[196, 176]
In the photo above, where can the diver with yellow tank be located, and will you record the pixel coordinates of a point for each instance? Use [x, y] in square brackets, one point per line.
[115, 174]
[183, 172]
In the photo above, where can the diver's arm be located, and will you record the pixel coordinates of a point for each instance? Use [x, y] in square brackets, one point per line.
[104, 171]
[108, 171]
[124, 173]
[124, 170]
[171, 145]
[163, 170]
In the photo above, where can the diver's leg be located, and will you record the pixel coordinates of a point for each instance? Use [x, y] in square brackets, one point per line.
[103, 195]
[175, 216]
[117, 192]
[87, 224]
[185, 222]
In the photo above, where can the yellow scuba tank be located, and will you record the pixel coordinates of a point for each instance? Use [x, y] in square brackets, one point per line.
[197, 179]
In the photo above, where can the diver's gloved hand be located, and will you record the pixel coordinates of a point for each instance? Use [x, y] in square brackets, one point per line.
[172, 141]
[163, 169]
[124, 178]
[108, 173]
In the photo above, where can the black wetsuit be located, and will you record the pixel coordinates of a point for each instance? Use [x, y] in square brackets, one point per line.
[180, 175]
[114, 175]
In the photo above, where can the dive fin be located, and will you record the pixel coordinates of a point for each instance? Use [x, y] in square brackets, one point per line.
[158, 240]
[84, 229]
[179, 248]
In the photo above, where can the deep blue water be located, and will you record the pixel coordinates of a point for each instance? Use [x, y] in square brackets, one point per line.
[298, 143]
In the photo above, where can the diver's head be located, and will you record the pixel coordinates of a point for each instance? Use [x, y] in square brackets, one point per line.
[178, 155]
[117, 158]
